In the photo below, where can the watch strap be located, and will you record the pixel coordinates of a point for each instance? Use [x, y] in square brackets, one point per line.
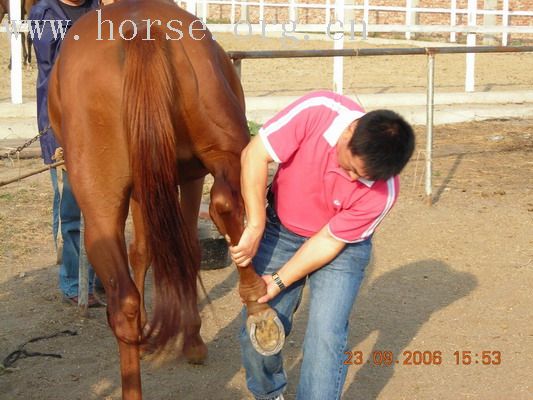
[278, 281]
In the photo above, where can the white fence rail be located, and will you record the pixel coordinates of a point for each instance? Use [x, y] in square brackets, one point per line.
[335, 26]
[408, 10]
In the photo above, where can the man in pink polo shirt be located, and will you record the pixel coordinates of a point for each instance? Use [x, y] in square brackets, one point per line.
[337, 179]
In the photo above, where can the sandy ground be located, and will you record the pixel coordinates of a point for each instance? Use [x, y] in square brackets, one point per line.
[378, 74]
[456, 276]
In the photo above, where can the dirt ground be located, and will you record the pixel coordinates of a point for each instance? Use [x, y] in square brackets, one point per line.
[380, 74]
[454, 277]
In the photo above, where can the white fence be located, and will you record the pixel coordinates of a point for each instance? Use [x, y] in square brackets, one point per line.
[201, 9]
[335, 24]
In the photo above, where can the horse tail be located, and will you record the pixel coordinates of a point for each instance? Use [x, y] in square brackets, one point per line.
[149, 115]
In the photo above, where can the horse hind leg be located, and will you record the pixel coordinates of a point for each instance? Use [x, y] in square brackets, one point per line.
[105, 216]
[194, 348]
[139, 256]
[107, 253]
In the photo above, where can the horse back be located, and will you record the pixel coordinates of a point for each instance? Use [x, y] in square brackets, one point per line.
[209, 104]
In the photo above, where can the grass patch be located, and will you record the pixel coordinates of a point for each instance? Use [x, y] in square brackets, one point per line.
[253, 127]
[6, 196]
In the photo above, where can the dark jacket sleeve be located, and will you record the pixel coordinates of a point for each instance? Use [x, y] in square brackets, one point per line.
[46, 17]
[46, 50]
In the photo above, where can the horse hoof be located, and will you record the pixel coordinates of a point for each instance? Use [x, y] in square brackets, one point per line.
[194, 349]
[266, 332]
[195, 354]
[145, 351]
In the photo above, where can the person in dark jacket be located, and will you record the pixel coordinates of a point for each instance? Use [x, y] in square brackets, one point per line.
[50, 19]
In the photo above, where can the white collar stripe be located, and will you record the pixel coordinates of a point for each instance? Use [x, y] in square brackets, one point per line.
[339, 124]
[312, 102]
[268, 146]
[390, 201]
[366, 182]
[344, 240]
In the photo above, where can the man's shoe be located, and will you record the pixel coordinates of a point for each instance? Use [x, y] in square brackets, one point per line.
[93, 302]
[100, 295]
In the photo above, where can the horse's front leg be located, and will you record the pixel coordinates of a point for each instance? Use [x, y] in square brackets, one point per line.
[264, 327]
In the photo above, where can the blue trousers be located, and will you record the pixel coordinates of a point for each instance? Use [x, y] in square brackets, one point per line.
[333, 290]
[66, 217]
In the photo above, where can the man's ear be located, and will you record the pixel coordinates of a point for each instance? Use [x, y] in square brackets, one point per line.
[350, 130]
[353, 125]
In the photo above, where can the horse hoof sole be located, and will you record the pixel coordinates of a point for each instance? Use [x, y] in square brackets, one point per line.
[266, 333]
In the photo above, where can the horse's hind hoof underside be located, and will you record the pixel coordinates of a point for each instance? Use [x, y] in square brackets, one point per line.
[266, 332]
[195, 351]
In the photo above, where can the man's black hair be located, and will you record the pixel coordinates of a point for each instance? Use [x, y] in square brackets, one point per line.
[385, 143]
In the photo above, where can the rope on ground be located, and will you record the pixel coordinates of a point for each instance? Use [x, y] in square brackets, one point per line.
[20, 353]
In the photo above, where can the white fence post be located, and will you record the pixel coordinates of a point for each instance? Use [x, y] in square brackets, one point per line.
[349, 12]
[505, 21]
[261, 10]
[429, 126]
[205, 11]
[292, 11]
[232, 13]
[191, 6]
[366, 6]
[471, 41]
[453, 19]
[245, 12]
[489, 21]
[328, 12]
[408, 17]
[16, 53]
[338, 62]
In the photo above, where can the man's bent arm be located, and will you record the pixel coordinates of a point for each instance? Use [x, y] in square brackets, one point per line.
[315, 253]
[254, 175]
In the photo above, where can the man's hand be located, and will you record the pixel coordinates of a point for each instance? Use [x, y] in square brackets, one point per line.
[243, 253]
[272, 289]
[58, 154]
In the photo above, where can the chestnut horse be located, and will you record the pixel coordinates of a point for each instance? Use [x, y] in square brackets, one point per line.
[137, 118]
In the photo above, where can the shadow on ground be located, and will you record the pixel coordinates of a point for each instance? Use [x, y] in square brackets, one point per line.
[395, 305]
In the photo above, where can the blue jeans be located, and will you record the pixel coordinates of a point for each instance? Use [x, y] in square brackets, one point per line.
[334, 288]
[66, 216]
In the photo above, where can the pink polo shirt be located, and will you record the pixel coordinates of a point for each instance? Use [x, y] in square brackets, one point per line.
[311, 189]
